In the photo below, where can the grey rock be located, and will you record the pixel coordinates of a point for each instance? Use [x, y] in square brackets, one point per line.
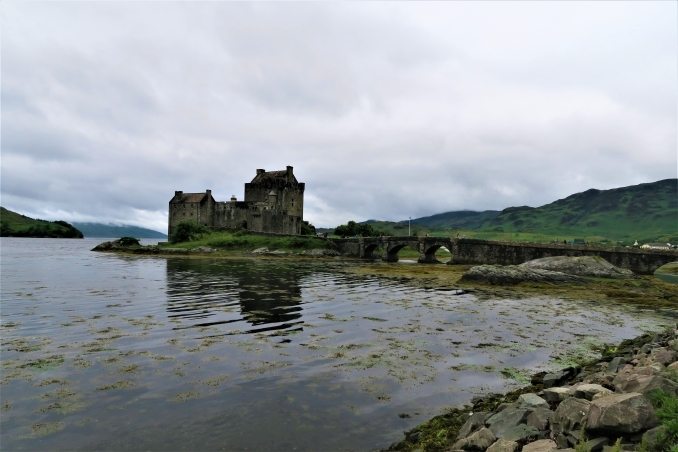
[480, 440]
[651, 437]
[621, 414]
[531, 401]
[592, 266]
[203, 249]
[646, 383]
[588, 391]
[520, 432]
[539, 418]
[615, 364]
[663, 356]
[553, 379]
[597, 444]
[511, 419]
[513, 274]
[472, 423]
[543, 445]
[569, 415]
[503, 445]
[645, 348]
[556, 394]
[561, 441]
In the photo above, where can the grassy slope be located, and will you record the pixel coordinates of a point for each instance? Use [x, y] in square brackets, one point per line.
[242, 241]
[645, 212]
[20, 224]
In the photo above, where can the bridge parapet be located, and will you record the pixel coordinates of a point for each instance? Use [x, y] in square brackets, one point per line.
[474, 251]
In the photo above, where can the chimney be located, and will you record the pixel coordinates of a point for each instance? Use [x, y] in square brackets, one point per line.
[260, 171]
[178, 192]
[208, 192]
[233, 198]
[290, 174]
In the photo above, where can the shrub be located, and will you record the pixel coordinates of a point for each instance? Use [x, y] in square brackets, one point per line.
[129, 241]
[307, 228]
[187, 231]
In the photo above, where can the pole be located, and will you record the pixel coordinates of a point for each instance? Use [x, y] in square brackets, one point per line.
[409, 227]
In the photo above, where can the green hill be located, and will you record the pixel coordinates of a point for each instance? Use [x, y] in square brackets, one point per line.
[462, 219]
[13, 224]
[111, 230]
[645, 212]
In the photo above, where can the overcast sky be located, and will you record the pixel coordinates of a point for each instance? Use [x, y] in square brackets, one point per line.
[385, 110]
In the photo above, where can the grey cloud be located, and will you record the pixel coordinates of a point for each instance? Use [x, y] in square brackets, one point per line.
[386, 110]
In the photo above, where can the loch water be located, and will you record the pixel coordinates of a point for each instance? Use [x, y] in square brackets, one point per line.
[114, 352]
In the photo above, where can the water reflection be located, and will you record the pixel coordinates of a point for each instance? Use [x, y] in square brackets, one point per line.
[208, 292]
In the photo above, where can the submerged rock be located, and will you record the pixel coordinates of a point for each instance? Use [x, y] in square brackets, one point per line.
[591, 266]
[515, 274]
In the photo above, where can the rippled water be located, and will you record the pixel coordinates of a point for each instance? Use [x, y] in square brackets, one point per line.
[111, 352]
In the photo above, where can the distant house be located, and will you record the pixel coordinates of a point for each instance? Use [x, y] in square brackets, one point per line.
[656, 246]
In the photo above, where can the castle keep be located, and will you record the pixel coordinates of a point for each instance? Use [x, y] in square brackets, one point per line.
[274, 202]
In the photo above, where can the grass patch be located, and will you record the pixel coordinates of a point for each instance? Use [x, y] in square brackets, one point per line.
[666, 408]
[117, 385]
[43, 364]
[246, 241]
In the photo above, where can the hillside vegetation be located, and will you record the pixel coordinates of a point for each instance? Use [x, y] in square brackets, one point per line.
[111, 230]
[13, 224]
[645, 212]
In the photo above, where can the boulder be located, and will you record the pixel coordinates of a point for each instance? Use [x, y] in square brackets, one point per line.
[597, 444]
[663, 356]
[569, 415]
[531, 401]
[616, 364]
[673, 366]
[539, 418]
[472, 423]
[520, 432]
[646, 383]
[479, 441]
[621, 414]
[513, 274]
[588, 391]
[502, 422]
[543, 445]
[503, 445]
[591, 266]
[651, 437]
[556, 394]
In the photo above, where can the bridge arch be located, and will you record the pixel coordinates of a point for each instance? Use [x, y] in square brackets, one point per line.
[369, 250]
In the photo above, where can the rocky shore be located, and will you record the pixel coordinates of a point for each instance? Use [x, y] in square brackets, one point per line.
[626, 401]
[550, 270]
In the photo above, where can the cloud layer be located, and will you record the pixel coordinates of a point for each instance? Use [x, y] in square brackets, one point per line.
[386, 110]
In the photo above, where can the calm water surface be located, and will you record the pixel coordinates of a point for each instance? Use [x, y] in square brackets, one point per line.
[111, 352]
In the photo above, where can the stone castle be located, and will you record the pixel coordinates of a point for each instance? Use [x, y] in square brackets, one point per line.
[274, 202]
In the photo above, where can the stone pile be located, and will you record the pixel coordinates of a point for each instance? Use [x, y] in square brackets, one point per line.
[606, 401]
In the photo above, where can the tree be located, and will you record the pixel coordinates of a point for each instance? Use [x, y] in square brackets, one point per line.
[352, 229]
[186, 230]
[307, 228]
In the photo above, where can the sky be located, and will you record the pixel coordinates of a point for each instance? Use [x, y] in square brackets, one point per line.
[386, 110]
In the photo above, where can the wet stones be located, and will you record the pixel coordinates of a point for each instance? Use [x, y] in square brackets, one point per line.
[473, 423]
[569, 415]
[503, 445]
[543, 445]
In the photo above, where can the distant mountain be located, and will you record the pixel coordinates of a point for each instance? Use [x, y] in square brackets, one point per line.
[644, 212]
[14, 224]
[111, 230]
[462, 219]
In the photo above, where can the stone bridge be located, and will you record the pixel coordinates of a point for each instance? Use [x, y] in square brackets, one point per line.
[474, 251]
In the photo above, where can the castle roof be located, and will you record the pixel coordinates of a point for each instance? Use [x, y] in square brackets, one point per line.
[188, 197]
[271, 175]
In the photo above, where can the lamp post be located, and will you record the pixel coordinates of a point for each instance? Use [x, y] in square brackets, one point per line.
[409, 227]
